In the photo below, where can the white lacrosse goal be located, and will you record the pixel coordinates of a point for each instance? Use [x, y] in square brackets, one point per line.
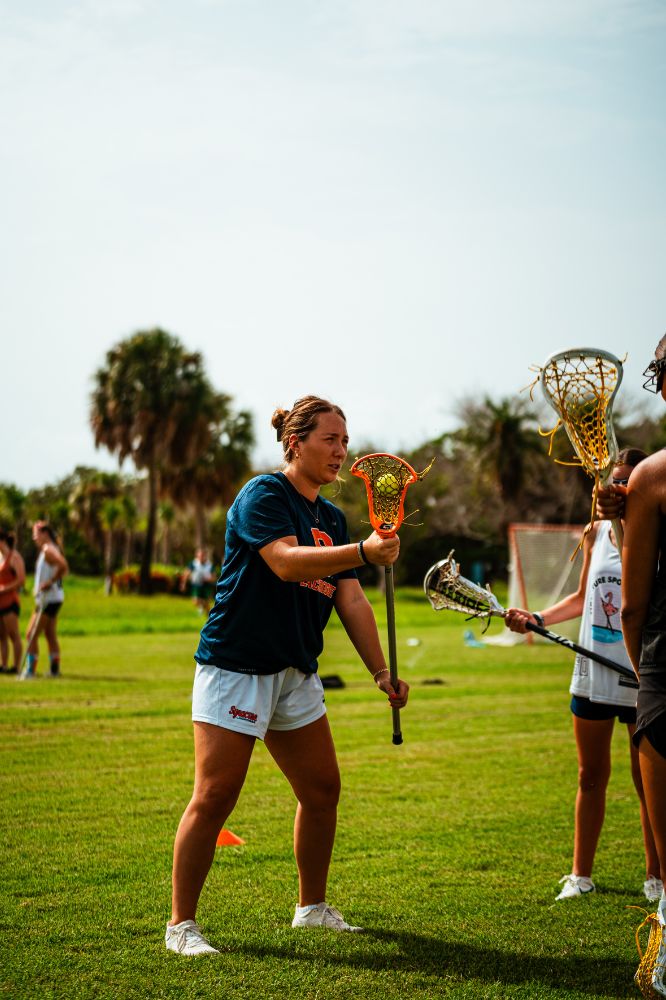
[541, 572]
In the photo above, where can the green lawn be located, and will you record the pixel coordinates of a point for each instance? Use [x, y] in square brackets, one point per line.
[448, 852]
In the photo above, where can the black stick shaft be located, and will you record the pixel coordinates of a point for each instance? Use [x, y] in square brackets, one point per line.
[619, 668]
[393, 653]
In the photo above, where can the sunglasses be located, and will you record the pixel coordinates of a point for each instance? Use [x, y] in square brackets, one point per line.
[654, 375]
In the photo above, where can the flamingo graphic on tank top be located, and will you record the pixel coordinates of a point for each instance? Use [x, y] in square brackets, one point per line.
[609, 608]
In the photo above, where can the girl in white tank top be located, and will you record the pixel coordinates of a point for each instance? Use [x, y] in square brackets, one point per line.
[601, 630]
[50, 568]
[599, 695]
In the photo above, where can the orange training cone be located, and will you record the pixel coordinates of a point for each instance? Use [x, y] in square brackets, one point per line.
[226, 838]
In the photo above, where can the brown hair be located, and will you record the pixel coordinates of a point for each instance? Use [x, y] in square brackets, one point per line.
[631, 456]
[660, 350]
[301, 420]
[8, 537]
[46, 527]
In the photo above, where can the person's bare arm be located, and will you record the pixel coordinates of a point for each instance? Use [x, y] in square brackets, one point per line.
[357, 616]
[640, 551]
[55, 558]
[293, 563]
[19, 570]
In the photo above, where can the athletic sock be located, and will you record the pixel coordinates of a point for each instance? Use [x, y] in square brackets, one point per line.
[31, 663]
[661, 909]
[302, 910]
[55, 664]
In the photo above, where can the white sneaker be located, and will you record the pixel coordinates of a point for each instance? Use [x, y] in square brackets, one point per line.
[322, 915]
[575, 885]
[186, 939]
[653, 888]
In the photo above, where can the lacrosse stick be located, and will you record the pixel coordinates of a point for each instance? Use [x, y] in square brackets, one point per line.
[39, 607]
[386, 480]
[580, 384]
[648, 959]
[447, 590]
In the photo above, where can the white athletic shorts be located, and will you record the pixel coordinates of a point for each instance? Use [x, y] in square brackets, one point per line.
[253, 703]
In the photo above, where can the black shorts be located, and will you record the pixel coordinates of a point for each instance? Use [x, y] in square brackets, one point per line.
[13, 609]
[655, 732]
[595, 711]
[51, 610]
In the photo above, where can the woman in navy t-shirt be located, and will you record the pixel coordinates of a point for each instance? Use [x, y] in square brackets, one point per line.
[288, 562]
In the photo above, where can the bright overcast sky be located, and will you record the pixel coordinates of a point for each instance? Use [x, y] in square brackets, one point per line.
[392, 203]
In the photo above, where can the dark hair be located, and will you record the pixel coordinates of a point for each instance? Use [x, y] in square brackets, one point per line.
[660, 350]
[631, 456]
[46, 527]
[8, 537]
[301, 420]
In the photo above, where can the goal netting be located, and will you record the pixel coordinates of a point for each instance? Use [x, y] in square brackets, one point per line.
[541, 572]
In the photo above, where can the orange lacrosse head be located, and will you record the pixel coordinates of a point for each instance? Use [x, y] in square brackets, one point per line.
[386, 479]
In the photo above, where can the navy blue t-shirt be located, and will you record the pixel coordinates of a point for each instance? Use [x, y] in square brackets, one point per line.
[260, 624]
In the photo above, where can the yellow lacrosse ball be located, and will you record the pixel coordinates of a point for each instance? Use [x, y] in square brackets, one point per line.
[387, 485]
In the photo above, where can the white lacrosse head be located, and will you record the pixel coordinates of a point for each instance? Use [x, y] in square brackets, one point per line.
[446, 589]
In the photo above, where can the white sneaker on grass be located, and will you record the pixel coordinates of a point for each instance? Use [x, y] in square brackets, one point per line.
[186, 939]
[653, 888]
[322, 915]
[575, 885]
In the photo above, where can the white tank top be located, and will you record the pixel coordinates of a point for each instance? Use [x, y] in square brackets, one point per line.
[44, 572]
[601, 629]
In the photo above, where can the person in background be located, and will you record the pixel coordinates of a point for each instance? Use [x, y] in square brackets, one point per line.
[12, 578]
[200, 576]
[599, 695]
[50, 568]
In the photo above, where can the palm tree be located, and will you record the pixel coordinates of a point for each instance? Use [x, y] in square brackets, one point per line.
[12, 507]
[214, 479]
[502, 434]
[129, 518]
[153, 402]
[110, 517]
[167, 514]
[90, 490]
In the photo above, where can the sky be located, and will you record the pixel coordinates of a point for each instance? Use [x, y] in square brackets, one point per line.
[395, 204]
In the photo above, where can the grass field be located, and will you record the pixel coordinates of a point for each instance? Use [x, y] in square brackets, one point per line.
[449, 848]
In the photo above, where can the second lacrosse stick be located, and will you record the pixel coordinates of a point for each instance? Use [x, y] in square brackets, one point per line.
[580, 385]
[446, 589]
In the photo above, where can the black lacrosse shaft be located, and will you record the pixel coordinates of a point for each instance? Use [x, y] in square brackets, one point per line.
[393, 653]
[619, 668]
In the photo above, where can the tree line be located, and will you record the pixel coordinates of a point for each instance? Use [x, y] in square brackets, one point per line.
[153, 403]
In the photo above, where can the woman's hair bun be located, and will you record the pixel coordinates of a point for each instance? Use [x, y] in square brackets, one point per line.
[277, 421]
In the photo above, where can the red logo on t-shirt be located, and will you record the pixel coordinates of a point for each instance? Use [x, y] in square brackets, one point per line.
[321, 586]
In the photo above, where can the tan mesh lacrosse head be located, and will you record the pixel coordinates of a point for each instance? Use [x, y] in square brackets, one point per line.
[386, 479]
[648, 959]
[580, 384]
[447, 590]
